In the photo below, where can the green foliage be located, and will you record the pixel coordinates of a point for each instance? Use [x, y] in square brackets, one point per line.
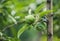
[41, 26]
[56, 17]
[22, 30]
[13, 12]
[39, 8]
[45, 13]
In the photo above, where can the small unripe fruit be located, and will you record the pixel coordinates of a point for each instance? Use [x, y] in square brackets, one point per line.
[29, 19]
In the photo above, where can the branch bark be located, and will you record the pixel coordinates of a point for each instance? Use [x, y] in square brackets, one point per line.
[50, 21]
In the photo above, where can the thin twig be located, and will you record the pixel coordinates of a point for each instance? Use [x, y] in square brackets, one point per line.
[9, 26]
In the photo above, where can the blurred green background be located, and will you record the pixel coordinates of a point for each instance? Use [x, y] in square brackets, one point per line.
[25, 20]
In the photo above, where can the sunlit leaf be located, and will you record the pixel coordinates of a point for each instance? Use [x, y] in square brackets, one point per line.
[45, 13]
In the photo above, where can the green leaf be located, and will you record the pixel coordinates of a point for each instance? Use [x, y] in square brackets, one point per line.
[45, 13]
[13, 30]
[22, 30]
[41, 26]
[13, 39]
[39, 8]
[20, 4]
